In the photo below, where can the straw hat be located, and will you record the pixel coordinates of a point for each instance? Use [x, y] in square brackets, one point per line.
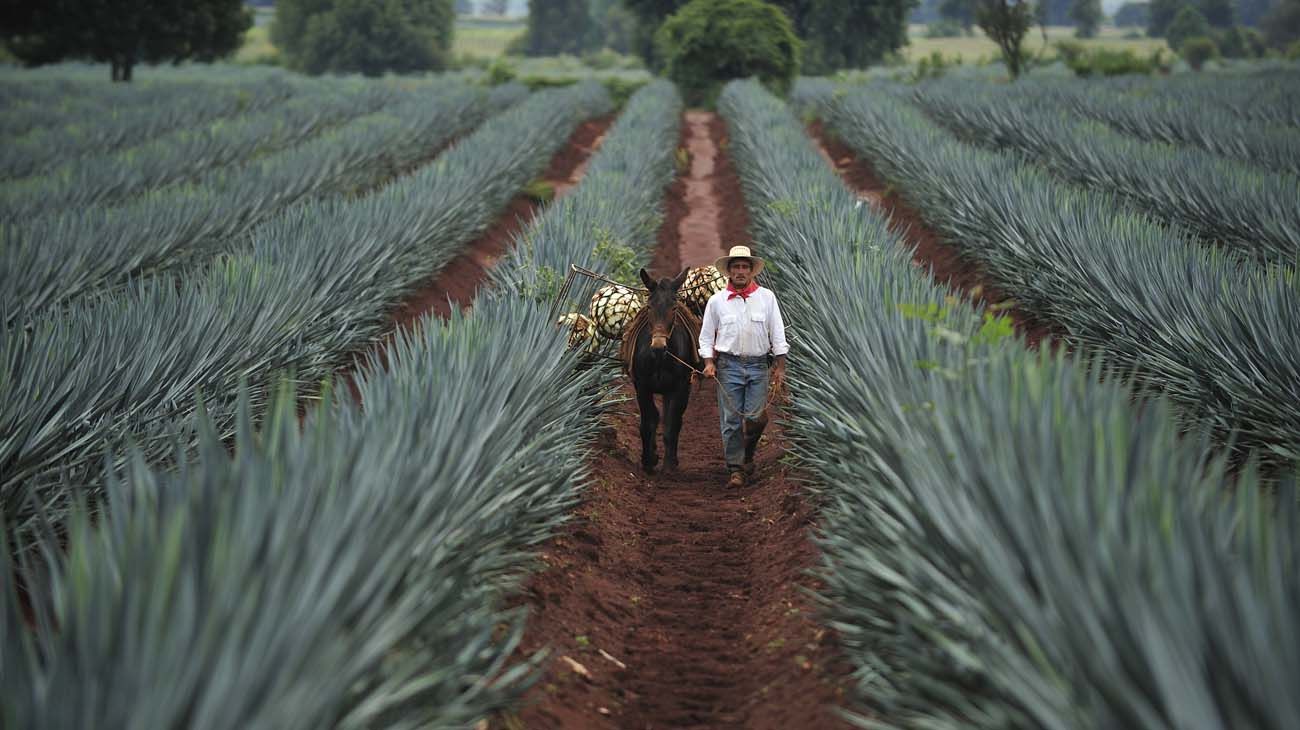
[738, 252]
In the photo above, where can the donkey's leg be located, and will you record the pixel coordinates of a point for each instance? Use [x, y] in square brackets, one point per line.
[649, 425]
[674, 407]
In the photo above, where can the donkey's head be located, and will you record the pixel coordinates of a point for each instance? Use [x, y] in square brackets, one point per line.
[663, 295]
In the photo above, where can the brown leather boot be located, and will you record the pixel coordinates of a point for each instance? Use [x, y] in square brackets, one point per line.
[737, 479]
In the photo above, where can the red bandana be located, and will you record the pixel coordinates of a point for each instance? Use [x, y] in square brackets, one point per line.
[742, 293]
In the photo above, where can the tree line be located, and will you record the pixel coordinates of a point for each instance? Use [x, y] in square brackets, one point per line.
[377, 36]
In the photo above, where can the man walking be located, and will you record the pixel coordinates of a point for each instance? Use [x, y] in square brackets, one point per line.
[742, 341]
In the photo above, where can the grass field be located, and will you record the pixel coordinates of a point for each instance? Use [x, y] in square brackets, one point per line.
[484, 39]
[257, 46]
[976, 47]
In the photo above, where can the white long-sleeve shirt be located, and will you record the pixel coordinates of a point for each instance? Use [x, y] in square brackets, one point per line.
[740, 326]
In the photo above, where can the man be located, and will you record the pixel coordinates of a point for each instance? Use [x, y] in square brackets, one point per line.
[742, 341]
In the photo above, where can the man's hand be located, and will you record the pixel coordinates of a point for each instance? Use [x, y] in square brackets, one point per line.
[710, 370]
[778, 377]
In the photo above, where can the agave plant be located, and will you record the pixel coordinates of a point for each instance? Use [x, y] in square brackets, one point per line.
[1217, 337]
[1191, 119]
[61, 258]
[1224, 201]
[187, 154]
[1008, 541]
[316, 285]
[41, 149]
[341, 574]
[608, 222]
[395, 526]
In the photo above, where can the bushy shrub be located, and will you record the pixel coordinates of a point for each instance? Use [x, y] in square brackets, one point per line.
[1070, 51]
[709, 42]
[934, 66]
[364, 35]
[500, 72]
[1110, 62]
[1241, 42]
[944, 28]
[1188, 23]
[1197, 50]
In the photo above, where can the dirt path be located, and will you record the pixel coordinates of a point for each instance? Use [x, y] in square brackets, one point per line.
[947, 266]
[671, 602]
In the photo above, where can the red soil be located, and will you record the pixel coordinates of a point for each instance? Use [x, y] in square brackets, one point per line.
[941, 259]
[671, 601]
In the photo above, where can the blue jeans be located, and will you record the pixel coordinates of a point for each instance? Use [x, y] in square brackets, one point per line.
[742, 388]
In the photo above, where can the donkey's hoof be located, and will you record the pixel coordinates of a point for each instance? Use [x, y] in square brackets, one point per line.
[670, 467]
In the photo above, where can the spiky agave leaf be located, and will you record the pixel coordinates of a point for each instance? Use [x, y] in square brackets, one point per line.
[1216, 337]
[1008, 542]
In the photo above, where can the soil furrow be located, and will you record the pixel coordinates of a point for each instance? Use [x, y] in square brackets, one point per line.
[942, 260]
[671, 601]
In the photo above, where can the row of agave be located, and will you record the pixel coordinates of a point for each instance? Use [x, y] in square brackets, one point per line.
[40, 150]
[1270, 97]
[347, 573]
[542, 264]
[1180, 121]
[313, 285]
[1216, 337]
[27, 105]
[1008, 541]
[1247, 209]
[187, 154]
[60, 258]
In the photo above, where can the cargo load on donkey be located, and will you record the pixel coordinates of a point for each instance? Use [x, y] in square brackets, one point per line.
[657, 328]
[615, 305]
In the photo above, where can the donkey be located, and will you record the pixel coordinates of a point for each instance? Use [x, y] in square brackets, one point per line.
[663, 326]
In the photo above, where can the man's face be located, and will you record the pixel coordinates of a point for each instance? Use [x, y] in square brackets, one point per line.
[740, 271]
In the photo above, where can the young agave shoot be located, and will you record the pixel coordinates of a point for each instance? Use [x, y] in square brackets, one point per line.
[612, 307]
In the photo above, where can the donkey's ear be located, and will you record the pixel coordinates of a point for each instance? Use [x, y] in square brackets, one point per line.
[649, 283]
[680, 279]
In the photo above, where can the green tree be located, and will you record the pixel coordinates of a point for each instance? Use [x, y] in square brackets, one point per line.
[124, 33]
[557, 26]
[365, 36]
[961, 12]
[1188, 23]
[1240, 42]
[837, 33]
[1006, 23]
[1219, 13]
[1055, 12]
[1087, 16]
[1162, 14]
[710, 42]
[1197, 50]
[1282, 24]
[840, 34]
[1137, 15]
[1252, 12]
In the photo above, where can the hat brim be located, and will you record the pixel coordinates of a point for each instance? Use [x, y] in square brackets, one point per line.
[722, 263]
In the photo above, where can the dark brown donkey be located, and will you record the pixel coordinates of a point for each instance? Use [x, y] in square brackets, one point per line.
[661, 338]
